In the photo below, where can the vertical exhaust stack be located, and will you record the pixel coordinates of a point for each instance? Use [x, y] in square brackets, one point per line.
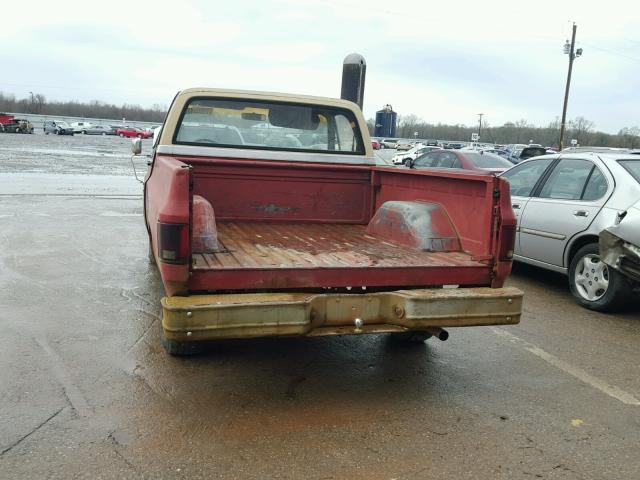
[354, 70]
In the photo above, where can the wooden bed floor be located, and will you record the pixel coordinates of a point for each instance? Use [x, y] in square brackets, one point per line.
[267, 245]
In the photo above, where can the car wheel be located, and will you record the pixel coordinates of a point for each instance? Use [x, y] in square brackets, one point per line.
[595, 285]
[84, 132]
[174, 347]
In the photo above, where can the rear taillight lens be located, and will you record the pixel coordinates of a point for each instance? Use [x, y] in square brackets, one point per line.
[173, 242]
[507, 242]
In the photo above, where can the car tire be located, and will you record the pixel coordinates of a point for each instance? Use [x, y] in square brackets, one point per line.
[182, 349]
[587, 272]
[414, 337]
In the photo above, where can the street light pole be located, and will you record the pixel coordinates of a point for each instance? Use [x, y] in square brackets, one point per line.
[572, 56]
[480, 124]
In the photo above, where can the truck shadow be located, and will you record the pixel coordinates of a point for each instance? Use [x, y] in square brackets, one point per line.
[554, 280]
[328, 380]
[553, 286]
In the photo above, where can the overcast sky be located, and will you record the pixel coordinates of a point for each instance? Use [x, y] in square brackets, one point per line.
[444, 61]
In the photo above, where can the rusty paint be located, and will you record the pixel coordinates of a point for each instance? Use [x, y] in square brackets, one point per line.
[259, 255]
[290, 314]
[272, 208]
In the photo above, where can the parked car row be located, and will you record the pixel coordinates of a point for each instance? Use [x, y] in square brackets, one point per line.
[515, 152]
[60, 127]
[403, 144]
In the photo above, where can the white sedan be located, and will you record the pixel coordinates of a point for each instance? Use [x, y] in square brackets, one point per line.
[563, 203]
[415, 152]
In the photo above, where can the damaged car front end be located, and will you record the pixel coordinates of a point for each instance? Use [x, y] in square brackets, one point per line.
[620, 244]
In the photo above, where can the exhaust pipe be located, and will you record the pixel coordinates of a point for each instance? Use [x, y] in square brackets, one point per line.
[439, 333]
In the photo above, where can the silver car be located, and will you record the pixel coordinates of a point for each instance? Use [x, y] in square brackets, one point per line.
[563, 202]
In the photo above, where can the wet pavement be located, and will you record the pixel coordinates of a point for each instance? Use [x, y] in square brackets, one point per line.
[88, 392]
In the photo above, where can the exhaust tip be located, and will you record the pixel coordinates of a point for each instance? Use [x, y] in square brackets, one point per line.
[440, 333]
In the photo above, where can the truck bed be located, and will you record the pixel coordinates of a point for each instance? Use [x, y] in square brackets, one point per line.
[299, 255]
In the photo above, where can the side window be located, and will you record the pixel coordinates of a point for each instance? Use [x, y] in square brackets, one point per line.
[448, 160]
[567, 181]
[596, 186]
[524, 177]
[427, 160]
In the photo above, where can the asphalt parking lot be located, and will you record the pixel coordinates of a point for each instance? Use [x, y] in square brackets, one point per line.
[88, 392]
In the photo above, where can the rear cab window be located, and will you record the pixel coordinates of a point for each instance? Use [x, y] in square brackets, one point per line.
[267, 125]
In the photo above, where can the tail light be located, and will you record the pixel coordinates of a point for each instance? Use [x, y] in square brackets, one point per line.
[173, 242]
[507, 242]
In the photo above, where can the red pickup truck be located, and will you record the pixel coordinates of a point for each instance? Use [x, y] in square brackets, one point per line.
[268, 215]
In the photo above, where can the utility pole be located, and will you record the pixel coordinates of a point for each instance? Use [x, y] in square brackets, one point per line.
[568, 49]
[480, 124]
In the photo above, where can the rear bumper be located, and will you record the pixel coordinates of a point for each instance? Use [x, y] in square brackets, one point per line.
[210, 317]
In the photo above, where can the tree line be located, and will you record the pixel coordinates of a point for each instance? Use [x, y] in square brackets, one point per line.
[38, 104]
[409, 126]
[520, 131]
